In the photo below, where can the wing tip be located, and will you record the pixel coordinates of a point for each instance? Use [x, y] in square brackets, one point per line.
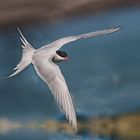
[75, 126]
[117, 28]
[73, 122]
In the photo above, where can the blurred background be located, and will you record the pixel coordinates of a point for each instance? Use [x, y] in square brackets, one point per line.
[103, 73]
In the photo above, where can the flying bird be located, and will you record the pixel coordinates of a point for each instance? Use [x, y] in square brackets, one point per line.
[45, 61]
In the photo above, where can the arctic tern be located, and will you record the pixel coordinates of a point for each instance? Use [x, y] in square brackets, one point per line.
[45, 61]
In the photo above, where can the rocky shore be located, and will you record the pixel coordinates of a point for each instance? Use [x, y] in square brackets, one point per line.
[25, 12]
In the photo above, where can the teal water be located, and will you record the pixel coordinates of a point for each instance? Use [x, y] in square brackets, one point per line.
[103, 73]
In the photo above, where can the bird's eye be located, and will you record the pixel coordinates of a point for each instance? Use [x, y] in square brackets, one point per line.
[61, 53]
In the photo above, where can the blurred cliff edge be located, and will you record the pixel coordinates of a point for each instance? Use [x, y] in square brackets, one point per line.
[25, 12]
[125, 126]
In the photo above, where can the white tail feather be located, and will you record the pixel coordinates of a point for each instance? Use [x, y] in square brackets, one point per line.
[27, 54]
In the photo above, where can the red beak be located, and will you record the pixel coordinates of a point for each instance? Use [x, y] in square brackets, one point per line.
[66, 58]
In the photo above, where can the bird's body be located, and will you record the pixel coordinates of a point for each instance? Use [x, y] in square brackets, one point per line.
[45, 61]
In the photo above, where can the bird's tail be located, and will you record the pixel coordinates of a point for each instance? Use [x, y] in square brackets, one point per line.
[27, 54]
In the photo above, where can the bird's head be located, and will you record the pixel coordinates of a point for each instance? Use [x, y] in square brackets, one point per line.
[60, 56]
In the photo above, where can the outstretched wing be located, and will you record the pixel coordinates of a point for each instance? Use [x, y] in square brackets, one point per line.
[62, 41]
[51, 74]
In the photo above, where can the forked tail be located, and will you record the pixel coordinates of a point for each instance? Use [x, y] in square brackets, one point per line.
[27, 54]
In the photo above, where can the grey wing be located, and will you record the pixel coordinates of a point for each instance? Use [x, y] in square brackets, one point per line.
[51, 74]
[62, 41]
